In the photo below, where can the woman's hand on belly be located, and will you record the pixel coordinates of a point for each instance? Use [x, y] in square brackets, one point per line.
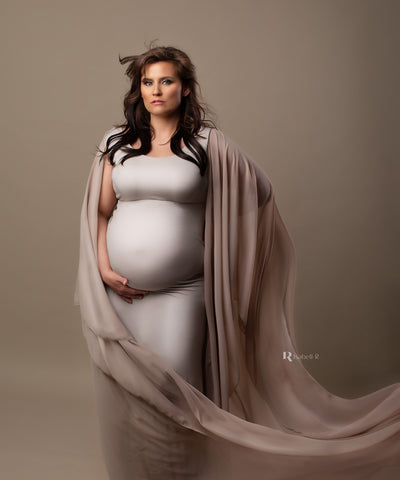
[118, 284]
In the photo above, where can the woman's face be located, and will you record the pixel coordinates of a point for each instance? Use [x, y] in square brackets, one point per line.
[161, 83]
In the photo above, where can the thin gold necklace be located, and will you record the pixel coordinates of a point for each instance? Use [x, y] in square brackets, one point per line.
[166, 141]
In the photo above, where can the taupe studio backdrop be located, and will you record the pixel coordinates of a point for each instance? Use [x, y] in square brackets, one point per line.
[308, 88]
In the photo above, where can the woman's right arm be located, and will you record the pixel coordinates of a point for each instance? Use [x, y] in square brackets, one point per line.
[107, 202]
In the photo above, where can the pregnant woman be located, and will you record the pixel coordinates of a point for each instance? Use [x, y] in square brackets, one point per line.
[186, 286]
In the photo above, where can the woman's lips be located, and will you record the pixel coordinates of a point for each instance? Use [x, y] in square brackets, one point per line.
[157, 102]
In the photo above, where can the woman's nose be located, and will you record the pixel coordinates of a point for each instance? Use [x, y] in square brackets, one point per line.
[156, 89]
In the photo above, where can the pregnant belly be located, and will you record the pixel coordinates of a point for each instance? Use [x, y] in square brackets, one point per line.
[156, 244]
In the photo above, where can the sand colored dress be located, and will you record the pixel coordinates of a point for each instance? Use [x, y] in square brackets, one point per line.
[256, 416]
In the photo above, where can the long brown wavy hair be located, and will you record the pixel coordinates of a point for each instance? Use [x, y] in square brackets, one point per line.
[192, 117]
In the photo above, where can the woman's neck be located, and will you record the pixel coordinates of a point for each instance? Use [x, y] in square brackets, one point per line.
[164, 127]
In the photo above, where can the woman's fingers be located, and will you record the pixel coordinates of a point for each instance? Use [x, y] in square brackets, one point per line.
[119, 284]
[127, 299]
[134, 291]
[127, 293]
[127, 296]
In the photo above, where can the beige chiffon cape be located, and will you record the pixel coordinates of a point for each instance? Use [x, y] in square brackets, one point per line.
[261, 416]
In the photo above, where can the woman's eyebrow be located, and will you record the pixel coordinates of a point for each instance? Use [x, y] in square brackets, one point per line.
[162, 78]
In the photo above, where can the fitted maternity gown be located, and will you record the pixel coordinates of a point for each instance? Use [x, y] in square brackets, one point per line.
[155, 239]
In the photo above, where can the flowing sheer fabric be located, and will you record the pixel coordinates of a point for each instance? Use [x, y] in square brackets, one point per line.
[260, 417]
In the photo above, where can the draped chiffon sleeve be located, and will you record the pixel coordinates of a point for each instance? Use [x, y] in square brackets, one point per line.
[261, 417]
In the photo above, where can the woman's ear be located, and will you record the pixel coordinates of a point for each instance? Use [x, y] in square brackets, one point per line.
[186, 92]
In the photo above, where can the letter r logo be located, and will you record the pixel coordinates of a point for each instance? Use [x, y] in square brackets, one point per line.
[288, 356]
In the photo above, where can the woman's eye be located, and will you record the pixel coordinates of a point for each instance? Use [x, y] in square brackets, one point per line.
[148, 82]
